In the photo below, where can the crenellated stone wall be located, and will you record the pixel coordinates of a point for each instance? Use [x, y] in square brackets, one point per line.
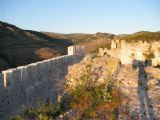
[24, 85]
[76, 50]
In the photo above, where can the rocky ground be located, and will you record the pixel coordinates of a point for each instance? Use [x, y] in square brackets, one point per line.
[139, 87]
[142, 87]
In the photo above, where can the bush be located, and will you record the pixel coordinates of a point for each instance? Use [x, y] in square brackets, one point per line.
[43, 112]
[89, 96]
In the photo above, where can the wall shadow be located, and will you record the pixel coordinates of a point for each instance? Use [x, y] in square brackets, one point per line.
[146, 109]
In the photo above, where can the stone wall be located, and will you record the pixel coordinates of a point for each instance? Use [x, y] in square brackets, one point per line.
[1, 80]
[115, 44]
[24, 85]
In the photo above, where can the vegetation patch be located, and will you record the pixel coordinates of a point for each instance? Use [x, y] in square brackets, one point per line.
[88, 94]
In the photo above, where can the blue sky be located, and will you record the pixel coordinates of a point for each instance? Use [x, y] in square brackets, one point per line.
[82, 16]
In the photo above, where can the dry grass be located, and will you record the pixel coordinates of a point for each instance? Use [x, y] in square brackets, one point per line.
[46, 53]
[93, 46]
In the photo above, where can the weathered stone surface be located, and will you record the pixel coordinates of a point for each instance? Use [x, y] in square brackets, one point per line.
[41, 71]
[16, 77]
[24, 85]
[76, 50]
[7, 77]
[1, 80]
[140, 51]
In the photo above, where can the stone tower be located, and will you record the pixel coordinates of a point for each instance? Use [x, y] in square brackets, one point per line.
[76, 50]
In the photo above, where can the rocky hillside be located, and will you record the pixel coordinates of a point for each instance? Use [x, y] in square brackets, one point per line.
[141, 36]
[92, 41]
[138, 86]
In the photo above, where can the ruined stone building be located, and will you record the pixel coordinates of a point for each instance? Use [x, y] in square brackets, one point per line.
[140, 51]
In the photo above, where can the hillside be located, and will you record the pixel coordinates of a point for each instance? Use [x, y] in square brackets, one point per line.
[91, 41]
[141, 36]
[19, 47]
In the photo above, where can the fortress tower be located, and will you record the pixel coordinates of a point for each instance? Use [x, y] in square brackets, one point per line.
[76, 50]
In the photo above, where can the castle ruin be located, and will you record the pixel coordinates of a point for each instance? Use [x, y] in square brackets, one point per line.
[127, 52]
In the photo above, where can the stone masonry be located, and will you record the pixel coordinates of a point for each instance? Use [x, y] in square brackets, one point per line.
[23, 85]
[128, 52]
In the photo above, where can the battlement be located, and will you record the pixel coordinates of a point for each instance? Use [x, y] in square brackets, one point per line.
[13, 77]
[24, 84]
[76, 50]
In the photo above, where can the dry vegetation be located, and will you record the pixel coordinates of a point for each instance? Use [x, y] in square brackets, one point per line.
[88, 93]
[46, 53]
[141, 36]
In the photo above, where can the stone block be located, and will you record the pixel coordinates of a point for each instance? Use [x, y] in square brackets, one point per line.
[53, 69]
[30, 73]
[1, 80]
[83, 49]
[41, 71]
[35, 72]
[23, 72]
[24, 76]
[7, 77]
[16, 77]
[70, 50]
[47, 70]
[56, 70]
